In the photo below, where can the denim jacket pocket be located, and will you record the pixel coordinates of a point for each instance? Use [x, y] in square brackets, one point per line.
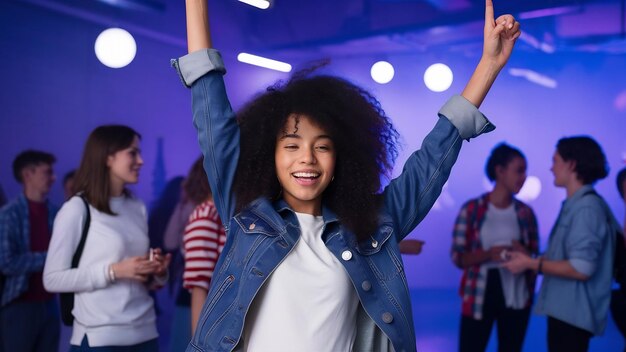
[382, 254]
[377, 241]
[250, 223]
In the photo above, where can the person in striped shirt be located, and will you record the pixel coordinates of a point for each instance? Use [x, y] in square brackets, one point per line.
[203, 240]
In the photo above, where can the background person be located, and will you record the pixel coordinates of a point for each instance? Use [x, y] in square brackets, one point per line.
[29, 315]
[487, 228]
[112, 307]
[577, 266]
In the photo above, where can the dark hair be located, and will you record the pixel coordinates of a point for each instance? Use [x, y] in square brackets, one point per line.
[588, 156]
[92, 177]
[364, 138]
[621, 178]
[69, 176]
[501, 155]
[197, 184]
[29, 158]
[161, 211]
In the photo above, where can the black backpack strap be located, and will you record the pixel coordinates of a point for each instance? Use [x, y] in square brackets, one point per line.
[83, 236]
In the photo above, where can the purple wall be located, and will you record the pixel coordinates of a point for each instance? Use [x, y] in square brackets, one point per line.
[55, 92]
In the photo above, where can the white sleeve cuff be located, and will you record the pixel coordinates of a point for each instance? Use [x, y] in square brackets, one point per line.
[195, 65]
[467, 119]
[99, 276]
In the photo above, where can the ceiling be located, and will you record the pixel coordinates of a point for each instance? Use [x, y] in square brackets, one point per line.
[343, 28]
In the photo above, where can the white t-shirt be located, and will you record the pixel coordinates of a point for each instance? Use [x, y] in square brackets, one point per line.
[307, 304]
[501, 228]
[110, 314]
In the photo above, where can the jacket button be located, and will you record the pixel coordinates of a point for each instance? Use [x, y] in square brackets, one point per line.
[374, 243]
[252, 226]
[366, 285]
[346, 255]
[387, 317]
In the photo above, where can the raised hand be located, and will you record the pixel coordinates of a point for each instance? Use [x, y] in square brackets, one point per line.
[499, 36]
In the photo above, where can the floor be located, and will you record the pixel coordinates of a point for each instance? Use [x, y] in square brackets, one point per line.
[436, 315]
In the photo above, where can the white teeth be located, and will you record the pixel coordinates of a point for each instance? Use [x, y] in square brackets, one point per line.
[306, 174]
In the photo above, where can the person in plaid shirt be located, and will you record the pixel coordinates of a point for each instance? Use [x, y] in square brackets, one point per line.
[487, 229]
[29, 317]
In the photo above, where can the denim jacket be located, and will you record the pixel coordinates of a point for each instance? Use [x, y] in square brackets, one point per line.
[584, 235]
[263, 234]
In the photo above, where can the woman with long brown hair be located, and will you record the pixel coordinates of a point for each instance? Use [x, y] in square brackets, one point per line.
[112, 307]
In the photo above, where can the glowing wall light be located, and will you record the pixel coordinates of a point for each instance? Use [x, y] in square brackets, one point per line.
[534, 77]
[530, 190]
[261, 4]
[115, 47]
[382, 72]
[264, 62]
[438, 77]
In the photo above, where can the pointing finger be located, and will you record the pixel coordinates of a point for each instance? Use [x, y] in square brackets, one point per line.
[489, 12]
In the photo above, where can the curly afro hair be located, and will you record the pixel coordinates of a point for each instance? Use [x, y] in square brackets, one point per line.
[364, 138]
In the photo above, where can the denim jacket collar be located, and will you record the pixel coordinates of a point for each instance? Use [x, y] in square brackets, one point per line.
[577, 195]
[275, 217]
[281, 207]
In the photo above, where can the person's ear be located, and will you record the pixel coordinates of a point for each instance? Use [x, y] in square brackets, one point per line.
[26, 173]
[499, 170]
[571, 165]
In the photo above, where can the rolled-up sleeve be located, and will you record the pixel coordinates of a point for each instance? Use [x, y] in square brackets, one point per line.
[467, 119]
[585, 239]
[195, 65]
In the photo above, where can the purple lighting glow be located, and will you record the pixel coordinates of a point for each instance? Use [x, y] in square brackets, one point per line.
[554, 11]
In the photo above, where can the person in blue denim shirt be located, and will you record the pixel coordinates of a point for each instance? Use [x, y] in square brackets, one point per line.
[578, 263]
[618, 296]
[29, 317]
[312, 261]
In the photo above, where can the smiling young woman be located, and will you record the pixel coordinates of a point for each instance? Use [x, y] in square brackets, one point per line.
[112, 307]
[312, 261]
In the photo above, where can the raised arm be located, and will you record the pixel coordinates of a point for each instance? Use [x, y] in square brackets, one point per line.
[218, 133]
[409, 197]
[499, 38]
[198, 32]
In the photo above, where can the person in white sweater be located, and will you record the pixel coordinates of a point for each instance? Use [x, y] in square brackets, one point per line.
[112, 308]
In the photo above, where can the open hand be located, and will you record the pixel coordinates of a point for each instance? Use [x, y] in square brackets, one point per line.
[135, 268]
[498, 254]
[499, 36]
[518, 262]
[411, 247]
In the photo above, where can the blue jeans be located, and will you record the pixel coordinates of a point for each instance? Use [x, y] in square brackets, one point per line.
[148, 346]
[30, 326]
